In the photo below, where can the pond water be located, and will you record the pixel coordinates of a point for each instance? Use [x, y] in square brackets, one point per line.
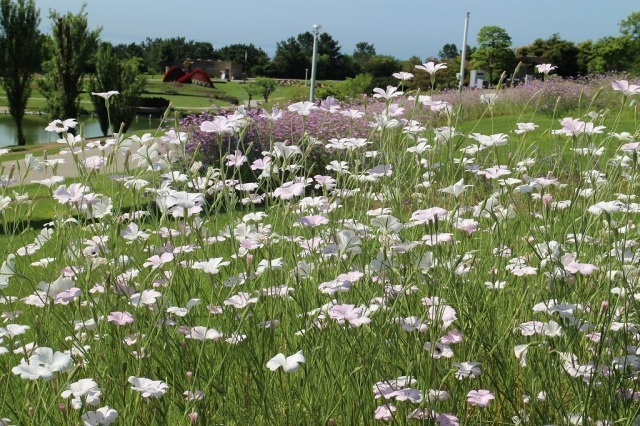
[34, 128]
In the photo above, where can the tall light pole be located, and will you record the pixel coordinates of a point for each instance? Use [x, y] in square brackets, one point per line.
[314, 60]
[464, 51]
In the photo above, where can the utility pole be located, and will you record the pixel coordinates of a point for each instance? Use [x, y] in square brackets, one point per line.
[314, 60]
[464, 51]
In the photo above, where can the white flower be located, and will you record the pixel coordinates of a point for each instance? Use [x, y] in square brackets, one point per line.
[7, 270]
[106, 95]
[53, 361]
[149, 388]
[302, 108]
[240, 300]
[289, 364]
[86, 388]
[60, 126]
[103, 416]
[545, 68]
[605, 207]
[211, 266]
[32, 372]
[431, 67]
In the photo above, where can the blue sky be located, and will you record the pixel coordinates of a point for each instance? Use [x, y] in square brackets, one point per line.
[401, 28]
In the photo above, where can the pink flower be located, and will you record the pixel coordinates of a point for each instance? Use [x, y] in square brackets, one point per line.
[429, 215]
[289, 190]
[384, 412]
[467, 225]
[582, 268]
[313, 221]
[626, 88]
[157, 261]
[67, 296]
[240, 300]
[348, 313]
[630, 148]
[480, 397]
[236, 159]
[120, 318]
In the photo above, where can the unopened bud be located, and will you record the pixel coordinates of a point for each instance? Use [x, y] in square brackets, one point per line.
[193, 417]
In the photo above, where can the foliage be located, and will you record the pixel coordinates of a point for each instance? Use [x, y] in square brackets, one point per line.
[382, 66]
[252, 90]
[20, 55]
[73, 47]
[294, 55]
[630, 29]
[363, 53]
[266, 86]
[253, 59]
[122, 76]
[493, 52]
[607, 54]
[449, 51]
[160, 53]
[556, 51]
[355, 87]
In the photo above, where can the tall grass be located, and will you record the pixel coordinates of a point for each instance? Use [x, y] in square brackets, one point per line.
[426, 274]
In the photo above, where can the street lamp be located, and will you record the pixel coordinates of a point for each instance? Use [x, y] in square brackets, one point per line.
[306, 77]
[314, 60]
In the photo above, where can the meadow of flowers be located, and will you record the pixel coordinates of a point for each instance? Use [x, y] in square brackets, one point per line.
[421, 275]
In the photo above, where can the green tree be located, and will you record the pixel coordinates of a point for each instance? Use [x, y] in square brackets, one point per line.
[252, 90]
[294, 55]
[559, 52]
[630, 29]
[363, 52]
[20, 55]
[353, 88]
[493, 52]
[449, 51]
[111, 74]
[289, 60]
[631, 26]
[160, 53]
[253, 59]
[382, 66]
[72, 48]
[610, 54]
[266, 86]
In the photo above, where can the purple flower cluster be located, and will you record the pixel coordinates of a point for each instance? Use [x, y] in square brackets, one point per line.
[209, 147]
[558, 95]
[290, 128]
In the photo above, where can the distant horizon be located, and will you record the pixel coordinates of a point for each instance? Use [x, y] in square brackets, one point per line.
[418, 33]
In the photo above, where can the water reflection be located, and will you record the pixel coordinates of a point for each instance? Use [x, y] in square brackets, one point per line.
[35, 134]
